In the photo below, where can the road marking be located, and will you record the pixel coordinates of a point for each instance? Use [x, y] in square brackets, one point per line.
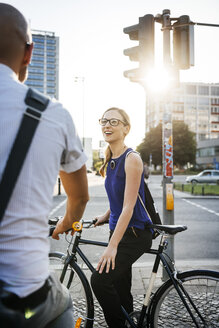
[202, 207]
[57, 207]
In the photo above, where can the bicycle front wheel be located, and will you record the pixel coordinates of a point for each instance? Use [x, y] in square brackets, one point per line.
[77, 283]
[202, 286]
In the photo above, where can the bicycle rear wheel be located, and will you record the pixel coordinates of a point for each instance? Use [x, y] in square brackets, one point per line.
[79, 288]
[167, 309]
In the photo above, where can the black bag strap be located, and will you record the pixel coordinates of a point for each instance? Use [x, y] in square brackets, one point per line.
[36, 103]
[148, 204]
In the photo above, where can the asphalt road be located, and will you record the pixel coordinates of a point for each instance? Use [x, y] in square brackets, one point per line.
[200, 214]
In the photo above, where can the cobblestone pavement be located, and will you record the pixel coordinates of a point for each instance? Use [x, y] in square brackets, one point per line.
[183, 321]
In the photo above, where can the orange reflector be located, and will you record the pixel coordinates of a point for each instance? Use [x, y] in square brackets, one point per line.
[78, 323]
[77, 226]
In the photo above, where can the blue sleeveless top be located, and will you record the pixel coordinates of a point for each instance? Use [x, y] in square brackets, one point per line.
[115, 188]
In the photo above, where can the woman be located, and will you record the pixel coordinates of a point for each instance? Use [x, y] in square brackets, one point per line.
[111, 282]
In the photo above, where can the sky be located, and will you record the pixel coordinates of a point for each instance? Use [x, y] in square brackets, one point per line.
[91, 47]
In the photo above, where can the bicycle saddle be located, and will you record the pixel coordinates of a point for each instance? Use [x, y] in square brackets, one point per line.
[170, 229]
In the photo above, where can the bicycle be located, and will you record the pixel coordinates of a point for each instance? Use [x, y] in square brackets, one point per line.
[187, 299]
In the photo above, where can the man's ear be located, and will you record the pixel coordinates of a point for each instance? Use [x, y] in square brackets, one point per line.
[28, 54]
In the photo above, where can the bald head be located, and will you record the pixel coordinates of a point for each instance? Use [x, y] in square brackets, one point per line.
[14, 33]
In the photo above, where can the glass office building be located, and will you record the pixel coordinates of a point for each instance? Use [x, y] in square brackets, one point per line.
[44, 68]
[196, 104]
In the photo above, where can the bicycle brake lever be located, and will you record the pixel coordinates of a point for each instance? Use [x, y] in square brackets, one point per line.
[51, 229]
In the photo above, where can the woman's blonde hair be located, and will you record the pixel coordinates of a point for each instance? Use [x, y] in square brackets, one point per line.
[108, 153]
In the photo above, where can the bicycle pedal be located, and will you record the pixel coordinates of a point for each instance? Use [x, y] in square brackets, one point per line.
[135, 318]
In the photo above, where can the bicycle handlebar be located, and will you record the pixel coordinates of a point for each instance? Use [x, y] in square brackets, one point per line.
[85, 223]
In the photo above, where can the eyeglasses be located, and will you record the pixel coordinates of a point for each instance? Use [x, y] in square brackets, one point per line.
[112, 121]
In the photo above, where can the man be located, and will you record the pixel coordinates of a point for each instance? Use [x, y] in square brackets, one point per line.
[32, 297]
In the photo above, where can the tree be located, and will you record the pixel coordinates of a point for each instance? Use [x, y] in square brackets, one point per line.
[184, 145]
[152, 145]
[97, 162]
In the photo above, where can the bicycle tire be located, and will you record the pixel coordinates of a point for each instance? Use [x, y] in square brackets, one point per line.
[77, 283]
[167, 309]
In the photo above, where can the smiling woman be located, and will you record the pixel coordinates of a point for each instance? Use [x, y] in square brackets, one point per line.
[129, 239]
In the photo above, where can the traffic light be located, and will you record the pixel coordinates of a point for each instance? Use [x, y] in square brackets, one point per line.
[183, 43]
[144, 52]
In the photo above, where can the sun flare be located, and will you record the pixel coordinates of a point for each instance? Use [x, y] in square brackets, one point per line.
[158, 81]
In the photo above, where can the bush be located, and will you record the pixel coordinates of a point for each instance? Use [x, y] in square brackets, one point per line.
[97, 166]
[199, 189]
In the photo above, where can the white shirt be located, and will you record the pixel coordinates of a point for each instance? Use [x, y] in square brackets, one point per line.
[24, 243]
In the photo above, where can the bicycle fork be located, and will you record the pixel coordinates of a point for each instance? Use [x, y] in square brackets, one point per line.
[190, 301]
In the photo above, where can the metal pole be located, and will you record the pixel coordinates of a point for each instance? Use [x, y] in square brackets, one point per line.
[166, 26]
[168, 201]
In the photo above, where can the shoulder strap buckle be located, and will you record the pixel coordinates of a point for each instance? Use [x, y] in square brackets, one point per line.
[36, 100]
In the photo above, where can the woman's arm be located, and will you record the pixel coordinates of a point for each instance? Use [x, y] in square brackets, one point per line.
[133, 169]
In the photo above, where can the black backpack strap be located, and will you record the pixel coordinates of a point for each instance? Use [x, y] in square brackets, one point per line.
[36, 103]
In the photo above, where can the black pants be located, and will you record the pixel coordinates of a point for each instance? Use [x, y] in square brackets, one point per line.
[113, 289]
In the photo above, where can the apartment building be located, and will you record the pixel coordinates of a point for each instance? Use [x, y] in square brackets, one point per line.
[44, 67]
[196, 104]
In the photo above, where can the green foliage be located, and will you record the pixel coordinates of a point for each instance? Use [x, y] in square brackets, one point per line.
[184, 145]
[95, 158]
[97, 165]
[152, 144]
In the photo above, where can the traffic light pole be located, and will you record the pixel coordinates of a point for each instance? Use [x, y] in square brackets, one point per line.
[167, 143]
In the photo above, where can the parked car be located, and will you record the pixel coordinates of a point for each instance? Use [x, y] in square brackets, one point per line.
[206, 176]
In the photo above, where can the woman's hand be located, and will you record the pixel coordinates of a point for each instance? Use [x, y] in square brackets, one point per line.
[107, 259]
[100, 220]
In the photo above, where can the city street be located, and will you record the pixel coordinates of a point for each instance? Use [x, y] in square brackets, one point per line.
[201, 214]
